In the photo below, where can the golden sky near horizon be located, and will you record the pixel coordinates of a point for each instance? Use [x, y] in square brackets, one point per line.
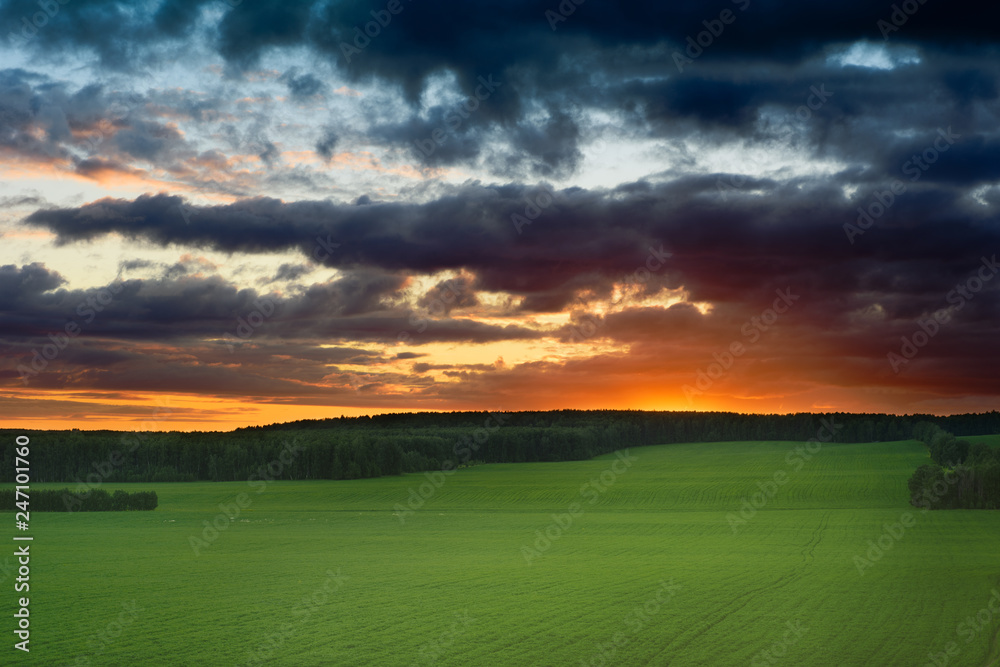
[238, 233]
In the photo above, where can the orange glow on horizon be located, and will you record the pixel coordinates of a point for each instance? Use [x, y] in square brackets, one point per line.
[189, 412]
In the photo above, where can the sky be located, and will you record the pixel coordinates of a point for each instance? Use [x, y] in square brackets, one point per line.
[221, 213]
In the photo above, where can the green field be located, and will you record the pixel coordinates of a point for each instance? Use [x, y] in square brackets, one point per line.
[452, 586]
[991, 440]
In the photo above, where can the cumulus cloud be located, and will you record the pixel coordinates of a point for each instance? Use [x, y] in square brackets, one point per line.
[835, 151]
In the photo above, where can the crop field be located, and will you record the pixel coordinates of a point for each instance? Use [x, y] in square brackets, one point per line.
[663, 556]
[991, 440]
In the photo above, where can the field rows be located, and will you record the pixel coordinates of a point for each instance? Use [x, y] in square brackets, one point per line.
[451, 585]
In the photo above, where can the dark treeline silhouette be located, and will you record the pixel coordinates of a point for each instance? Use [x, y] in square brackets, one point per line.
[97, 500]
[390, 444]
[963, 475]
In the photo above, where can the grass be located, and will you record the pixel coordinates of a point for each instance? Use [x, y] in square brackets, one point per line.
[450, 585]
[991, 440]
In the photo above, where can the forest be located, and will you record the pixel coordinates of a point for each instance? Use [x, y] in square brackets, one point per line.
[96, 500]
[391, 444]
[963, 475]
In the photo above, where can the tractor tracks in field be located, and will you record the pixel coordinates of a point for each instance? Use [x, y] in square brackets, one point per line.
[993, 645]
[744, 599]
[992, 648]
[809, 549]
[729, 609]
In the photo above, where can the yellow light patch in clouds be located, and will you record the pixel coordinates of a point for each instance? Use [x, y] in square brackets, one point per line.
[513, 353]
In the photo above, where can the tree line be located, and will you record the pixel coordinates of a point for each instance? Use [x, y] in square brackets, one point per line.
[963, 475]
[391, 444]
[96, 500]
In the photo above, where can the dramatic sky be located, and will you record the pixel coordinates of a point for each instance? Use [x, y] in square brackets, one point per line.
[216, 213]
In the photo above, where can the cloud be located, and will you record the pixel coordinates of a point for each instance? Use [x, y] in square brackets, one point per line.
[291, 272]
[723, 249]
[726, 178]
[600, 60]
[327, 143]
[302, 86]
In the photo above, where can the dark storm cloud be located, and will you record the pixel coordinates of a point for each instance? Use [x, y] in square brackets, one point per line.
[971, 85]
[184, 104]
[301, 86]
[327, 143]
[723, 249]
[970, 161]
[618, 58]
[188, 309]
[734, 252]
[254, 27]
[360, 291]
[290, 272]
[470, 228]
[433, 140]
[20, 108]
[26, 282]
[447, 295]
[147, 141]
[269, 153]
[165, 334]
[770, 79]
[95, 167]
[48, 121]
[425, 38]
[548, 149]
